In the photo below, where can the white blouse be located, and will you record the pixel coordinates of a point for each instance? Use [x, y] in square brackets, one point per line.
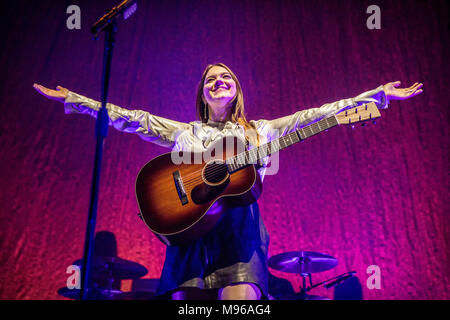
[196, 136]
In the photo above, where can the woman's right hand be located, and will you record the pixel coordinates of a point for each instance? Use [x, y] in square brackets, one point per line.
[58, 95]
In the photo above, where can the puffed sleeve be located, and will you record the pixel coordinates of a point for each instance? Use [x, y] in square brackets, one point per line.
[273, 129]
[149, 127]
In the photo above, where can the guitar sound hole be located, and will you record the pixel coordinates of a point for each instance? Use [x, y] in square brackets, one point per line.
[215, 172]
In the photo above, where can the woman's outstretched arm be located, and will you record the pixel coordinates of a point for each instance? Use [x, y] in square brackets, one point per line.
[380, 96]
[149, 127]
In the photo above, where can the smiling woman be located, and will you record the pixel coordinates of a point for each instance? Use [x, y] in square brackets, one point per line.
[219, 91]
[220, 98]
[230, 261]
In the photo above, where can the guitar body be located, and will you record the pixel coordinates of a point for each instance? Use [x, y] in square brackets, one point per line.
[182, 202]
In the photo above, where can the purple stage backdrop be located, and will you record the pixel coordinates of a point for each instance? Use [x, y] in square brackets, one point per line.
[376, 195]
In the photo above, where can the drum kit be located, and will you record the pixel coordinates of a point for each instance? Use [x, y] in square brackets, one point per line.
[305, 263]
[107, 273]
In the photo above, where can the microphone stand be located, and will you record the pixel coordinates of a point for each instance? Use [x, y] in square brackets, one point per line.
[101, 131]
[107, 23]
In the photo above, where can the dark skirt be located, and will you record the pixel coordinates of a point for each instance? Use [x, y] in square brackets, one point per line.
[234, 251]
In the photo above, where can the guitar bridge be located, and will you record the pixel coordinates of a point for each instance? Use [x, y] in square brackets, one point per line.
[180, 187]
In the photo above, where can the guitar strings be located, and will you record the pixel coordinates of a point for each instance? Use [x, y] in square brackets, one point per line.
[212, 173]
[245, 155]
[242, 157]
[196, 176]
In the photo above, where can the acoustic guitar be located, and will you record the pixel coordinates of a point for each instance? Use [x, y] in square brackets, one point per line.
[182, 195]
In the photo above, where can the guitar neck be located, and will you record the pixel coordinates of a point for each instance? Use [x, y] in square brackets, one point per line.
[252, 156]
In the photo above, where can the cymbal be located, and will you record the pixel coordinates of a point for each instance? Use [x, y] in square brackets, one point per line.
[302, 262]
[103, 266]
[95, 294]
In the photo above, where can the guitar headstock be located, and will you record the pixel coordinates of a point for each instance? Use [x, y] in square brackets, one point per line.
[363, 113]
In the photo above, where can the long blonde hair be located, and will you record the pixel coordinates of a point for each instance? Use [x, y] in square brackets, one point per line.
[237, 112]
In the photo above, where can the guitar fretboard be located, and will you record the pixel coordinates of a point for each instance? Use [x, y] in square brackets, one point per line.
[252, 156]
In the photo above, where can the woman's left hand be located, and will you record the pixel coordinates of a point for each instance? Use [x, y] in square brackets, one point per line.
[393, 93]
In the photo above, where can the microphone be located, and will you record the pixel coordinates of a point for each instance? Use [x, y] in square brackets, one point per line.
[340, 279]
[126, 8]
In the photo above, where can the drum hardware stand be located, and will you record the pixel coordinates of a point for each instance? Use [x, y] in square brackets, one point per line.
[332, 282]
[304, 263]
[303, 266]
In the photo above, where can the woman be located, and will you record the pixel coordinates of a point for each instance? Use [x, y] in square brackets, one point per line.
[231, 260]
